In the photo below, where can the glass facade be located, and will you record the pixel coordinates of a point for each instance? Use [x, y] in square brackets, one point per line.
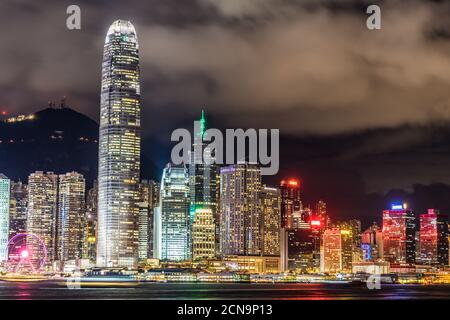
[175, 218]
[119, 149]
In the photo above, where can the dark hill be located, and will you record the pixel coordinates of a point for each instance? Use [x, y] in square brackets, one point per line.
[56, 139]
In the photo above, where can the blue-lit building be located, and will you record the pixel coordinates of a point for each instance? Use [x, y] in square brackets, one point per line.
[175, 218]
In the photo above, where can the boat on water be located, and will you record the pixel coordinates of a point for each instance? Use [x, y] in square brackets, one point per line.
[23, 277]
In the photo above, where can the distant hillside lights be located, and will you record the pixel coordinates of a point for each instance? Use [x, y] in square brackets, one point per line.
[20, 118]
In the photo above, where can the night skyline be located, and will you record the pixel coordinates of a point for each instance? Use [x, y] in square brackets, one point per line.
[225, 149]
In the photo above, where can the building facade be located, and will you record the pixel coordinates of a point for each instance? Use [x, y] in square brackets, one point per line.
[240, 213]
[18, 208]
[297, 250]
[119, 149]
[90, 224]
[71, 212]
[337, 250]
[290, 202]
[398, 235]
[175, 218]
[434, 238]
[43, 213]
[270, 221]
[203, 234]
[5, 186]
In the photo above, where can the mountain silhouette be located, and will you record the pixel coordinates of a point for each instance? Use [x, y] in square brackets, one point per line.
[57, 139]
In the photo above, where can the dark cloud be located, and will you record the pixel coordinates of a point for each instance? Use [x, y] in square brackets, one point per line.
[304, 66]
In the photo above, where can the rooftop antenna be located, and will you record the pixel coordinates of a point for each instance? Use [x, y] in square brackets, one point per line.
[63, 102]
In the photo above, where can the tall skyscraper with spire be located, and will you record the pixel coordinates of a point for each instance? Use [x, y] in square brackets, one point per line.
[119, 149]
[203, 198]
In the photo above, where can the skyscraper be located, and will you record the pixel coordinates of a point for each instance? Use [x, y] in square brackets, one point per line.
[203, 197]
[434, 238]
[90, 224]
[290, 202]
[240, 212]
[337, 250]
[149, 193]
[42, 212]
[143, 231]
[372, 243]
[203, 234]
[18, 208]
[71, 211]
[297, 250]
[398, 235]
[270, 222]
[175, 224]
[119, 149]
[5, 185]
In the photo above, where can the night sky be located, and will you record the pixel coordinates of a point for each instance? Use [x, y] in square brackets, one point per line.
[359, 111]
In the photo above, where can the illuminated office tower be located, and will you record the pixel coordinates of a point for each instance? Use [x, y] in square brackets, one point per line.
[175, 224]
[42, 212]
[297, 250]
[290, 202]
[270, 222]
[398, 235]
[203, 234]
[434, 238]
[90, 224]
[203, 197]
[149, 200]
[372, 243]
[337, 251]
[71, 211]
[240, 214]
[119, 149]
[18, 208]
[321, 214]
[355, 227]
[143, 231]
[5, 185]
[149, 193]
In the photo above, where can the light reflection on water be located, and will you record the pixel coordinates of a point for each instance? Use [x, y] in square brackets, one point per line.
[316, 291]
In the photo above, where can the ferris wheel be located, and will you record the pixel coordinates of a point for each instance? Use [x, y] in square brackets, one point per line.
[27, 253]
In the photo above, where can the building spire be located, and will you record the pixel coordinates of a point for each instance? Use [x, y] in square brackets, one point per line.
[203, 123]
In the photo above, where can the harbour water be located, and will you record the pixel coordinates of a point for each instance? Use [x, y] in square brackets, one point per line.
[234, 291]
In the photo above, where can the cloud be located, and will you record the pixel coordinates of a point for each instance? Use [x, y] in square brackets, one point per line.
[302, 66]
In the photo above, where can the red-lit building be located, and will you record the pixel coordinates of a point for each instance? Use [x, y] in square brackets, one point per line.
[434, 238]
[398, 235]
[290, 202]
